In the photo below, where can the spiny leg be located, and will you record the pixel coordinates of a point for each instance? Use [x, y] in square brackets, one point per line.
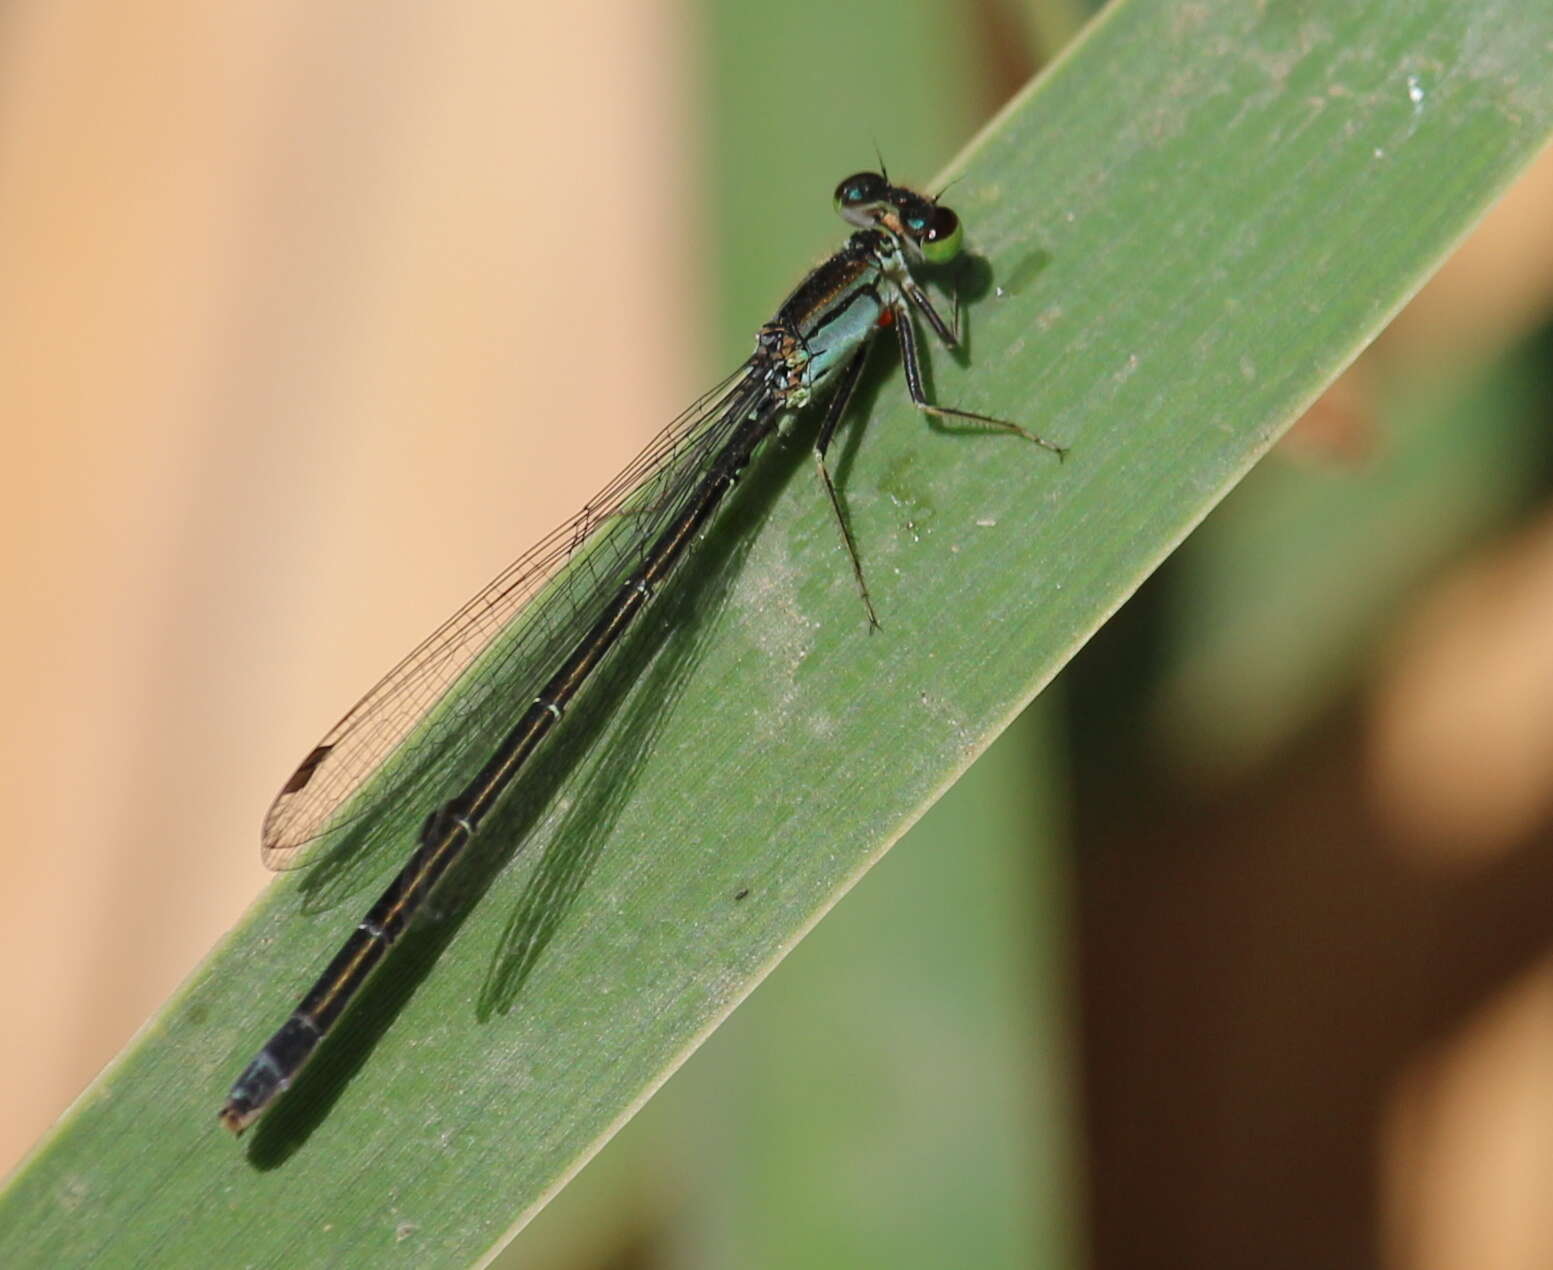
[845, 387]
[913, 370]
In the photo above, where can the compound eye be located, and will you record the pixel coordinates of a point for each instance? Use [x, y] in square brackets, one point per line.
[942, 236]
[859, 194]
[860, 190]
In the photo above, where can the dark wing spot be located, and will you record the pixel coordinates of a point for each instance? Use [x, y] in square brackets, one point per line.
[304, 773]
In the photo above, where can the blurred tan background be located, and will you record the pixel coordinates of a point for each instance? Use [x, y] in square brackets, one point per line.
[314, 316]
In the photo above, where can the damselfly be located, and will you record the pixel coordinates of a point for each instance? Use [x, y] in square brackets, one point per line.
[520, 651]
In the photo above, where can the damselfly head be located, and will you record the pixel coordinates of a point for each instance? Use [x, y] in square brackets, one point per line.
[868, 200]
